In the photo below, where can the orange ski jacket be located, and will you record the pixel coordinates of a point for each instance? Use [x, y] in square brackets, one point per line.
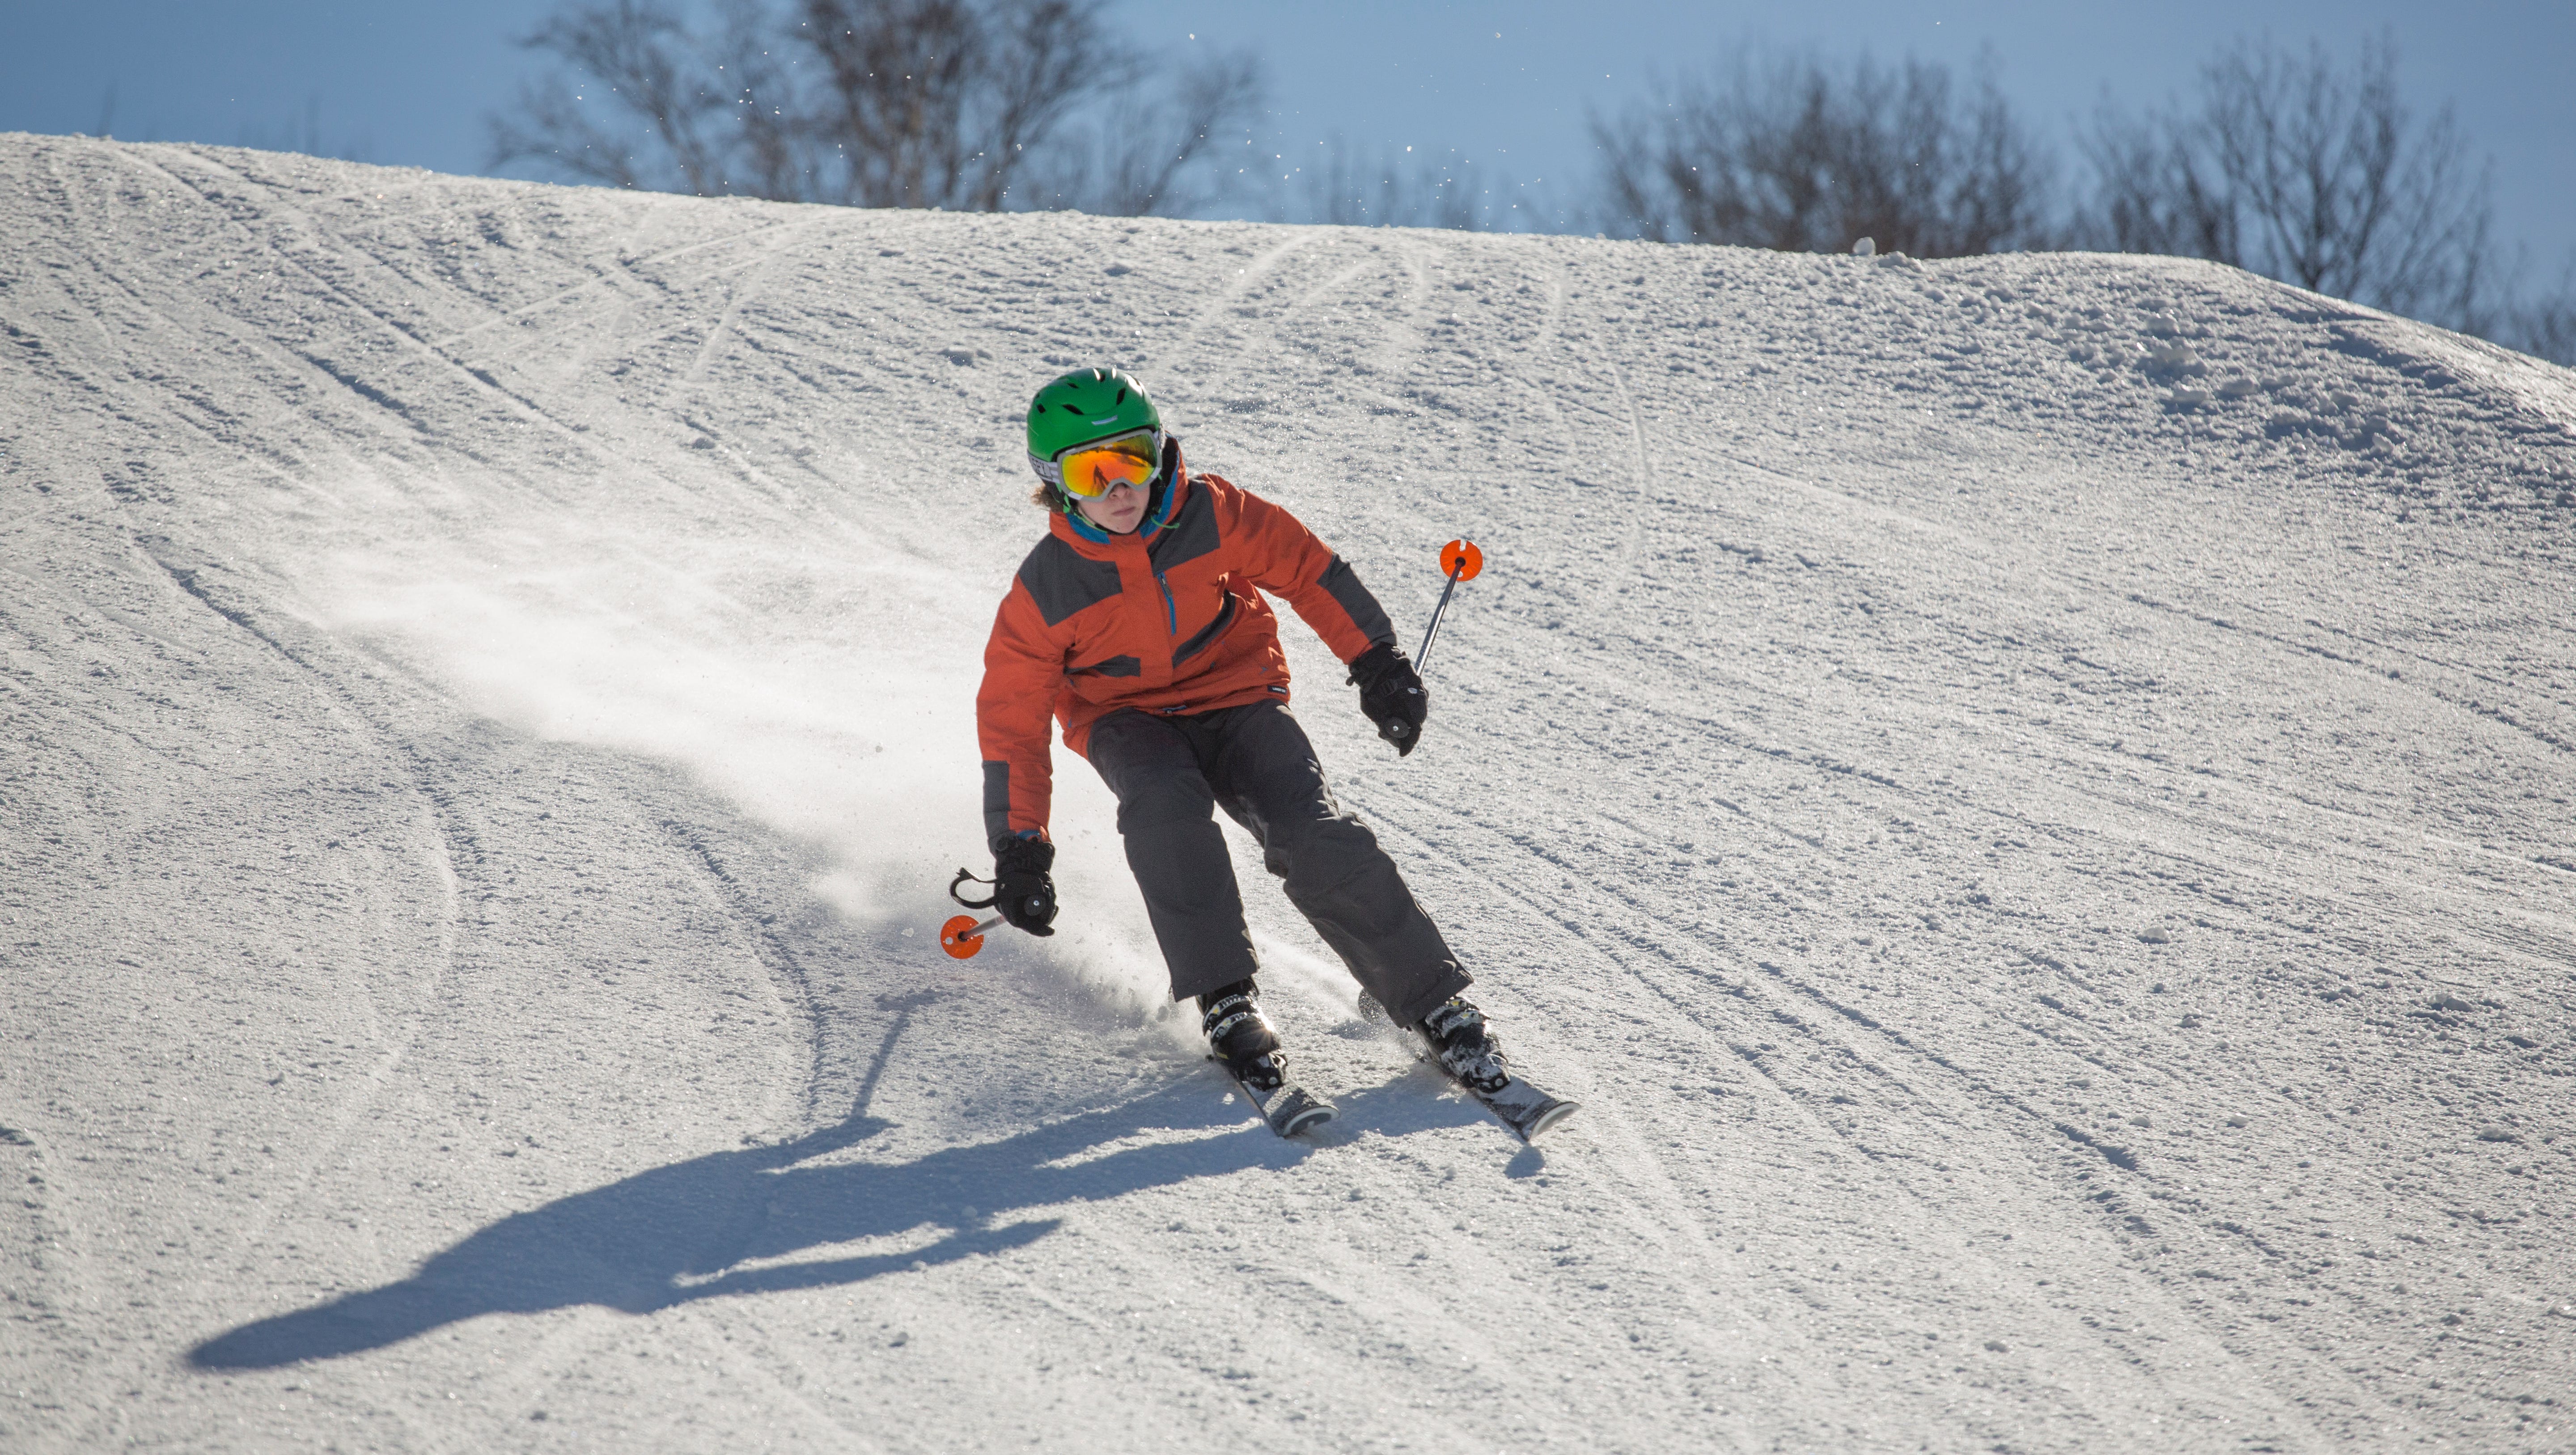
[1168, 619]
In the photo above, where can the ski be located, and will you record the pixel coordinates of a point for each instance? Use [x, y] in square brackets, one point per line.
[1241, 1041]
[1528, 1111]
[1288, 1107]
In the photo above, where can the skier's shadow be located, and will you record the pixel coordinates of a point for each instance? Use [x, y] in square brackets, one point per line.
[687, 1231]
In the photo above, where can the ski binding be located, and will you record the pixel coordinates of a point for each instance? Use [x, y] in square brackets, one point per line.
[1287, 1107]
[1528, 1111]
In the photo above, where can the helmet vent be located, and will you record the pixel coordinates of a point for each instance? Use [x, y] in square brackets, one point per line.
[1122, 396]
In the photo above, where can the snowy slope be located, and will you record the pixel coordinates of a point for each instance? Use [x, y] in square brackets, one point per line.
[2057, 893]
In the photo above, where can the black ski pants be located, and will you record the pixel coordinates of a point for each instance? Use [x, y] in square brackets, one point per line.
[1255, 763]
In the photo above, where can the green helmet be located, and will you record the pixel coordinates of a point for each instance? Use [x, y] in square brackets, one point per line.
[1083, 406]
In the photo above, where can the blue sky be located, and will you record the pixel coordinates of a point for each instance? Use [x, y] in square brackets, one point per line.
[1509, 83]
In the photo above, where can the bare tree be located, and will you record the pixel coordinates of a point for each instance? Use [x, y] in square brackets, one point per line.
[1157, 150]
[1799, 156]
[2291, 166]
[771, 152]
[1148, 157]
[963, 104]
[2544, 327]
[2549, 331]
[648, 126]
[935, 103]
[2151, 192]
[1392, 188]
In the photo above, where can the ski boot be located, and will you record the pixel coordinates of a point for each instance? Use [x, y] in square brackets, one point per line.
[1239, 1035]
[1242, 1037]
[1465, 1047]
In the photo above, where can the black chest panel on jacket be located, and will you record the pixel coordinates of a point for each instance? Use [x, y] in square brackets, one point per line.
[1188, 538]
[1062, 581]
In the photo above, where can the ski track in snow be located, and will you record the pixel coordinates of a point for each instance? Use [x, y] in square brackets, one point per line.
[2028, 797]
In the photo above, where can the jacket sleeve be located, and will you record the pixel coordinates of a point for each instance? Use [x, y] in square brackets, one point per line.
[1023, 672]
[1283, 558]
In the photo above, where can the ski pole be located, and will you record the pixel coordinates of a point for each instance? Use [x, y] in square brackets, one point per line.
[962, 936]
[1462, 561]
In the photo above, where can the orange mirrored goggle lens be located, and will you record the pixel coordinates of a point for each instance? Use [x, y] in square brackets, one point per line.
[1092, 471]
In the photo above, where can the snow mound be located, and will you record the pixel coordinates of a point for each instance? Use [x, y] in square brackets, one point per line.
[2027, 797]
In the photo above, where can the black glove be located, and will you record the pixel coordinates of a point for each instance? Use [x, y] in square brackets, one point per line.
[1022, 892]
[1391, 695]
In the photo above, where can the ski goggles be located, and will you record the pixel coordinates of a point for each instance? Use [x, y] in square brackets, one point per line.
[1093, 470]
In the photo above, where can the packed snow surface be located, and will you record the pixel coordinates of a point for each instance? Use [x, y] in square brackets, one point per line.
[2028, 798]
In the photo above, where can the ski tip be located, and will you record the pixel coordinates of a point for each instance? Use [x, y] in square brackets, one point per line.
[1290, 1109]
[1539, 1125]
[1306, 1120]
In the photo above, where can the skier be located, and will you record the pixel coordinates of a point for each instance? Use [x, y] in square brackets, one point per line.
[1139, 625]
